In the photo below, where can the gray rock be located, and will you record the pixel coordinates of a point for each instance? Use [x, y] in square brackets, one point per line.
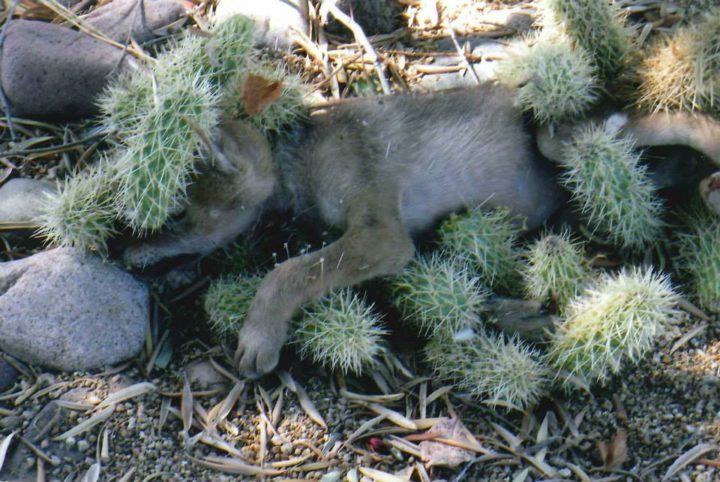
[8, 375]
[21, 199]
[274, 19]
[120, 20]
[52, 71]
[67, 310]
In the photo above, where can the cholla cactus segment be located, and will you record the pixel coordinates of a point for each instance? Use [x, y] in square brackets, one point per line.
[683, 71]
[215, 56]
[439, 295]
[125, 101]
[699, 258]
[486, 365]
[82, 214]
[280, 113]
[556, 82]
[486, 240]
[594, 26]
[556, 269]
[615, 321]
[340, 331]
[159, 157]
[227, 301]
[612, 189]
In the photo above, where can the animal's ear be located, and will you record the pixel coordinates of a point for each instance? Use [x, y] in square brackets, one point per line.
[241, 147]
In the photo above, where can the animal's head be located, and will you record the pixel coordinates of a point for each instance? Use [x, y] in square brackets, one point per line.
[223, 201]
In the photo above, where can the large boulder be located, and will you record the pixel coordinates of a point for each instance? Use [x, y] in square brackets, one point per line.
[52, 71]
[67, 310]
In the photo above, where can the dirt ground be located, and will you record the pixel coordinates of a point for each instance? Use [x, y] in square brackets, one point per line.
[177, 413]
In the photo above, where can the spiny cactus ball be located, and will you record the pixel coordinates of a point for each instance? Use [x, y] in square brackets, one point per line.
[611, 188]
[227, 301]
[556, 269]
[556, 82]
[486, 240]
[487, 365]
[82, 214]
[616, 320]
[594, 26]
[439, 295]
[683, 71]
[699, 258]
[340, 331]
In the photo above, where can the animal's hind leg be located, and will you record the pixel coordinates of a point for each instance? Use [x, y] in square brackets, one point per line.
[698, 131]
[375, 244]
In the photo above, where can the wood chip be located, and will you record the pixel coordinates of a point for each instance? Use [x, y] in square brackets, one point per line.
[93, 473]
[687, 458]
[4, 446]
[303, 398]
[127, 393]
[234, 466]
[379, 475]
[393, 416]
[186, 404]
[86, 425]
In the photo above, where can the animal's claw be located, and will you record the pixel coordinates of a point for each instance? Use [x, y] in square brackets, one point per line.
[258, 352]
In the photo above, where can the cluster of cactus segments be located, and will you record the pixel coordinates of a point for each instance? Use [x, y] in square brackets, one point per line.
[82, 214]
[611, 188]
[486, 239]
[227, 301]
[594, 26]
[340, 331]
[683, 70]
[439, 295]
[698, 258]
[555, 81]
[555, 269]
[502, 370]
[158, 116]
[614, 321]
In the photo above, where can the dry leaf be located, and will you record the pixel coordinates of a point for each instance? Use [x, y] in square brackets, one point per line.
[442, 454]
[259, 92]
[614, 453]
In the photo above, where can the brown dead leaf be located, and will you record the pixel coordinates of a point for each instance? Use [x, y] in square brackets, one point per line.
[259, 92]
[443, 454]
[614, 453]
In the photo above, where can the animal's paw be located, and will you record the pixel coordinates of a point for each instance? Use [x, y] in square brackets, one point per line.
[141, 255]
[258, 349]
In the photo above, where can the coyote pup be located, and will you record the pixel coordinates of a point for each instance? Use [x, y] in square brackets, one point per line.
[379, 168]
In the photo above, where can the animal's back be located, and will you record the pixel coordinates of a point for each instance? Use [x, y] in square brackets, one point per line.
[439, 151]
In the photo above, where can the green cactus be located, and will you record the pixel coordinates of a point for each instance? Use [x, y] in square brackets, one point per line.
[439, 295]
[698, 258]
[556, 269]
[153, 171]
[556, 82]
[594, 26]
[81, 214]
[227, 301]
[486, 240]
[616, 320]
[281, 113]
[611, 188]
[340, 331]
[683, 70]
[487, 365]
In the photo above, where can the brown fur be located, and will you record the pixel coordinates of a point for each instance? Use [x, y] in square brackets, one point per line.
[380, 169]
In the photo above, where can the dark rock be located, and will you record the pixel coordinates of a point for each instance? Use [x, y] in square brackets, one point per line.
[8, 375]
[52, 71]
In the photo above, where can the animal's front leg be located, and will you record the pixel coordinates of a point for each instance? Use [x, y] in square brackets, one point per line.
[361, 253]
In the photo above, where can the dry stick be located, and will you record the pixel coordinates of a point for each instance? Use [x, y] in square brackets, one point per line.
[360, 37]
[463, 55]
